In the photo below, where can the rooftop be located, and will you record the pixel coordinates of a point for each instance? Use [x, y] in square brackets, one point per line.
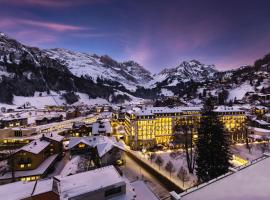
[35, 146]
[20, 190]
[157, 110]
[54, 136]
[249, 183]
[228, 109]
[103, 143]
[71, 186]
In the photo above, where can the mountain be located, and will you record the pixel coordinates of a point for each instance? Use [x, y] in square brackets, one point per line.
[185, 72]
[26, 71]
[130, 74]
[48, 76]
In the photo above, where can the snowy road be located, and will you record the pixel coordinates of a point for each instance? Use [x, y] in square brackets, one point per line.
[132, 170]
[59, 165]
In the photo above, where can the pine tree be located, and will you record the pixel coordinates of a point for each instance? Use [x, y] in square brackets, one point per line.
[213, 153]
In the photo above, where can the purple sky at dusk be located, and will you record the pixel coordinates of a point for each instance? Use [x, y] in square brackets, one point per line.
[155, 33]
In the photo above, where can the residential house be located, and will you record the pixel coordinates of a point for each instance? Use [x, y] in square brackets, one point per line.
[106, 149]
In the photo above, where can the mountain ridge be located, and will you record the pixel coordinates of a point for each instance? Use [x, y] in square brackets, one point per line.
[25, 70]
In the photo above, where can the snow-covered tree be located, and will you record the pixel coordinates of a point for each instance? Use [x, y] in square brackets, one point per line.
[183, 175]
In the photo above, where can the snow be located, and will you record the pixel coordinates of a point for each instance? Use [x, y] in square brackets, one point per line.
[71, 167]
[103, 143]
[228, 109]
[241, 151]
[156, 110]
[20, 190]
[35, 146]
[53, 99]
[142, 191]
[96, 129]
[166, 92]
[90, 66]
[39, 102]
[85, 182]
[249, 183]
[240, 91]
[54, 136]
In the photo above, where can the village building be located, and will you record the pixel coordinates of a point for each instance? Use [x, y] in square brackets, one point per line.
[48, 119]
[151, 126]
[10, 122]
[107, 150]
[80, 129]
[34, 160]
[107, 184]
[101, 184]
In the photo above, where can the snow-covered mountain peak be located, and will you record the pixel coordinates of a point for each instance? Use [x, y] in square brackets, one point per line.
[129, 74]
[185, 71]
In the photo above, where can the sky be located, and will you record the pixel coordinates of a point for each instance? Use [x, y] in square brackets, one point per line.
[155, 33]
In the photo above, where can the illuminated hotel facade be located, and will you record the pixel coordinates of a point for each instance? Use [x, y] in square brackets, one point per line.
[150, 126]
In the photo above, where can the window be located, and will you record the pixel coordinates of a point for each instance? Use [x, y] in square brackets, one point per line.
[29, 165]
[113, 191]
[22, 166]
[81, 145]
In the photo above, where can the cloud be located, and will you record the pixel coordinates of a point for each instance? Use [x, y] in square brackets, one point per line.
[52, 26]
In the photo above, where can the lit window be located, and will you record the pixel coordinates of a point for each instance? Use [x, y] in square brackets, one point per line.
[22, 166]
[29, 165]
[81, 145]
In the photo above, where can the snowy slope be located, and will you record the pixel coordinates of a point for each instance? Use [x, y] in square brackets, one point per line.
[129, 74]
[240, 91]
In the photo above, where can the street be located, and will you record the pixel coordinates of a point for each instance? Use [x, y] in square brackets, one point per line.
[132, 170]
[59, 165]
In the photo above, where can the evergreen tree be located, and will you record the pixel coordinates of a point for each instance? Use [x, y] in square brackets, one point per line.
[213, 153]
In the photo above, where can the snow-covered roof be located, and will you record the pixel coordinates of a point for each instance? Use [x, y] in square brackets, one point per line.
[54, 136]
[267, 114]
[102, 143]
[228, 109]
[249, 183]
[260, 107]
[21, 190]
[158, 110]
[96, 127]
[35, 146]
[262, 122]
[78, 184]
[260, 130]
[13, 118]
[48, 116]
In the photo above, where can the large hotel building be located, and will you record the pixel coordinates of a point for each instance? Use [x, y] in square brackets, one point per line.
[147, 127]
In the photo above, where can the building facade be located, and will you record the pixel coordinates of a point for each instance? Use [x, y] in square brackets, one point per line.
[151, 126]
